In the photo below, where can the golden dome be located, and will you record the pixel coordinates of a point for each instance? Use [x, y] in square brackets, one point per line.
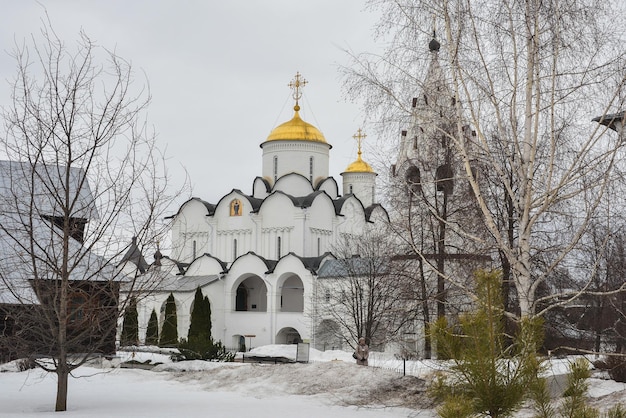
[296, 130]
[359, 166]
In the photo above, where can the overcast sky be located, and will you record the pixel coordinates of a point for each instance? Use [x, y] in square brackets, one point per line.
[218, 72]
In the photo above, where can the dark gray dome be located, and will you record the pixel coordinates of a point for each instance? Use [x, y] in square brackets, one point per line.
[434, 45]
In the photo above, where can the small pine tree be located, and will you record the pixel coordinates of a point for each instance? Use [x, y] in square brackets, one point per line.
[130, 326]
[574, 404]
[489, 376]
[169, 332]
[152, 332]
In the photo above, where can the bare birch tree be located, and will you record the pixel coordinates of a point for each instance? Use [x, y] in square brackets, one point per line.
[527, 76]
[84, 176]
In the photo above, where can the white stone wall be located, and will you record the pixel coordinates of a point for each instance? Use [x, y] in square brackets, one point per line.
[294, 157]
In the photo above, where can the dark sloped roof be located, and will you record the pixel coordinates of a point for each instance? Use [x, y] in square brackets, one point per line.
[307, 201]
[370, 209]
[162, 282]
[135, 256]
[312, 263]
[356, 266]
[186, 283]
[611, 120]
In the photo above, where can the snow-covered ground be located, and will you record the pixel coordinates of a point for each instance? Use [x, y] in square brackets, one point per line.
[331, 385]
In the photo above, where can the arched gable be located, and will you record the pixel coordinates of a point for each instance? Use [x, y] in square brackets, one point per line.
[204, 265]
[377, 214]
[330, 186]
[191, 215]
[225, 207]
[249, 263]
[195, 204]
[190, 230]
[290, 264]
[321, 213]
[260, 188]
[293, 184]
[278, 209]
[353, 213]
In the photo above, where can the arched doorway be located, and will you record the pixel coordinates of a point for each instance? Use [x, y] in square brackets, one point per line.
[288, 335]
[251, 295]
[241, 300]
[239, 343]
[328, 336]
[292, 295]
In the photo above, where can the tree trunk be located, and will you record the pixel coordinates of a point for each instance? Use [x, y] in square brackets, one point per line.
[426, 311]
[441, 258]
[62, 378]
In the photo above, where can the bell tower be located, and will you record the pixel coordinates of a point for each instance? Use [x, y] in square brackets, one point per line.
[430, 184]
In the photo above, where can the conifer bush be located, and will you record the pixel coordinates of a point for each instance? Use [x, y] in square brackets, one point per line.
[200, 324]
[169, 332]
[200, 345]
[130, 326]
[152, 332]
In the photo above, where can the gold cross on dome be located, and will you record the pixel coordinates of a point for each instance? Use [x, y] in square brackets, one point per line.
[296, 85]
[359, 136]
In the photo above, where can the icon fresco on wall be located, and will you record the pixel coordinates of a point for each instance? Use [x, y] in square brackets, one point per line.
[235, 207]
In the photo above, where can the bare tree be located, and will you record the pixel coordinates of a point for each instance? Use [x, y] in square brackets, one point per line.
[362, 293]
[527, 76]
[84, 176]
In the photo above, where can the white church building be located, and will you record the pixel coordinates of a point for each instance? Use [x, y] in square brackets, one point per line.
[256, 256]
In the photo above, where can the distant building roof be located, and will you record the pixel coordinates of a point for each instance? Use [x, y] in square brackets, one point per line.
[24, 185]
[355, 266]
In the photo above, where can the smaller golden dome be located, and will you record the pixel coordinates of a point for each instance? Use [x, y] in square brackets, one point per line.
[359, 166]
[296, 130]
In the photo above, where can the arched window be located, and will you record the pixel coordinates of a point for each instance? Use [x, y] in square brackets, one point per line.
[413, 180]
[193, 249]
[311, 169]
[319, 246]
[275, 167]
[445, 179]
[234, 249]
[278, 249]
[350, 189]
